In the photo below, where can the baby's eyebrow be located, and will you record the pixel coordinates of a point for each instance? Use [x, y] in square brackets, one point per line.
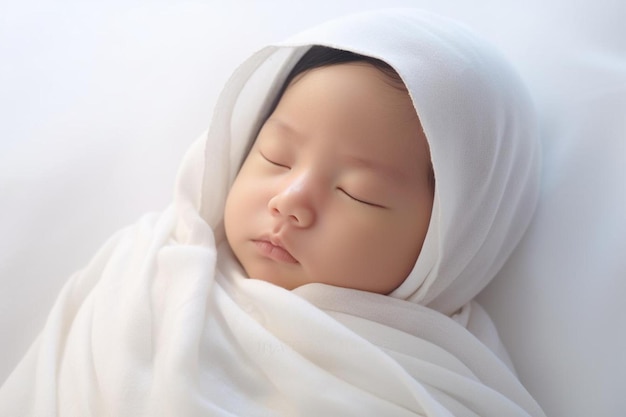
[389, 171]
[281, 124]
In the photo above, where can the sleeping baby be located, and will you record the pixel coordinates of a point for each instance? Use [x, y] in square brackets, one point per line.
[359, 185]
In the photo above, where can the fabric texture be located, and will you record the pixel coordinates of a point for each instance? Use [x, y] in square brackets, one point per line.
[163, 321]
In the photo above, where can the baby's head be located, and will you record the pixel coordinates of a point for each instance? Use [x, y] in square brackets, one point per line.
[338, 186]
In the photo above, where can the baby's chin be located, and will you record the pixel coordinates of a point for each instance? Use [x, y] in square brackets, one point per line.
[284, 279]
[283, 283]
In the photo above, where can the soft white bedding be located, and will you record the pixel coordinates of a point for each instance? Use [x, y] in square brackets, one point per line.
[96, 115]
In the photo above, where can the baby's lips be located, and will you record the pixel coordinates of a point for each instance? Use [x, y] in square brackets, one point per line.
[274, 250]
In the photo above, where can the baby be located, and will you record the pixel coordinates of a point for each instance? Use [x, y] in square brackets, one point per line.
[365, 268]
[338, 187]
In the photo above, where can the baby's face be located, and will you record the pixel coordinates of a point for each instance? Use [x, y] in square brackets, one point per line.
[336, 188]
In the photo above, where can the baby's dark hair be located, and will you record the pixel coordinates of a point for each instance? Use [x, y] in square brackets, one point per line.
[322, 56]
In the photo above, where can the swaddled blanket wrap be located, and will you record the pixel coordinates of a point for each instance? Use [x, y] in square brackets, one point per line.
[163, 322]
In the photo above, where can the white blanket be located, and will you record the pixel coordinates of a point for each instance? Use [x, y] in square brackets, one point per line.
[163, 322]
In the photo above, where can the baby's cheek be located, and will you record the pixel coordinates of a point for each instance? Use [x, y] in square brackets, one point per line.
[235, 210]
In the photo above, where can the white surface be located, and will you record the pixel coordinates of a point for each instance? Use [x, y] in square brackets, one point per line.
[99, 103]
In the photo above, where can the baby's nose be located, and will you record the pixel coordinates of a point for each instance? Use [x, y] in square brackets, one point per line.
[294, 204]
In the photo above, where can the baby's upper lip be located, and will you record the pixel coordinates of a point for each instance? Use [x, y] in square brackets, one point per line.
[275, 240]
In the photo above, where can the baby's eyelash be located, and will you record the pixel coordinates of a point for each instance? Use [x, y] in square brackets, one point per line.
[359, 200]
[273, 162]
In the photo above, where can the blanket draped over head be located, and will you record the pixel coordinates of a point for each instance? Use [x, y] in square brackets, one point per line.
[163, 322]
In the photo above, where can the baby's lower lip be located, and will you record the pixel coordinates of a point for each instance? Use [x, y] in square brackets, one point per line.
[274, 252]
